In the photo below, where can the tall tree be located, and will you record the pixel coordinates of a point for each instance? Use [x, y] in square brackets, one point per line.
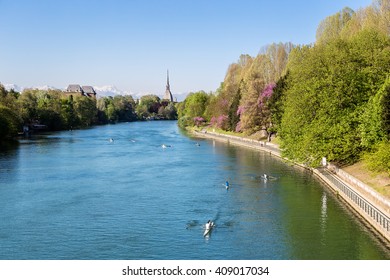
[331, 27]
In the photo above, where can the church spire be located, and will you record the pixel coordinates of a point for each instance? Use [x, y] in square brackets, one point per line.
[168, 94]
[168, 87]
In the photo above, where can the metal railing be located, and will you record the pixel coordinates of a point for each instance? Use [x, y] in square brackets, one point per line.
[377, 215]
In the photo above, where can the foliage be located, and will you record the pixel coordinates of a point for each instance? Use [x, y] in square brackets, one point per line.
[150, 106]
[241, 101]
[193, 106]
[331, 27]
[329, 86]
[9, 122]
[116, 109]
[68, 114]
[168, 112]
[385, 106]
[379, 160]
[57, 110]
[220, 122]
[198, 121]
[375, 119]
[196, 104]
[85, 110]
[233, 118]
[49, 107]
[275, 103]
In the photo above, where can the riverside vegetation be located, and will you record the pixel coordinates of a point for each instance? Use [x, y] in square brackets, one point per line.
[58, 111]
[327, 99]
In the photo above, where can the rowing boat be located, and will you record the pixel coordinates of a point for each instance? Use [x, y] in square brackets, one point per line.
[208, 229]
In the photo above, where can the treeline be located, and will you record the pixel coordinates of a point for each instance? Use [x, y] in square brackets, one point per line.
[330, 98]
[58, 111]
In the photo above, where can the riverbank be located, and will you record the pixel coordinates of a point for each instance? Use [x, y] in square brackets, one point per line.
[371, 206]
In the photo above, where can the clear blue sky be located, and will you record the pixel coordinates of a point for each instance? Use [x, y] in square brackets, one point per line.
[131, 43]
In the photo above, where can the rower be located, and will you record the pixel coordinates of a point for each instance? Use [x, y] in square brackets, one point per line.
[227, 185]
[208, 225]
[265, 177]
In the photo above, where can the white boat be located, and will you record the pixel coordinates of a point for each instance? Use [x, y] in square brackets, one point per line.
[208, 229]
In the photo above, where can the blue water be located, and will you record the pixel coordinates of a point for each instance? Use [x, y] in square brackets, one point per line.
[76, 195]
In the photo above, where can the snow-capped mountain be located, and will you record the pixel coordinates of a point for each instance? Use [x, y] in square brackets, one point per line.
[46, 87]
[103, 91]
[21, 88]
[109, 91]
[14, 87]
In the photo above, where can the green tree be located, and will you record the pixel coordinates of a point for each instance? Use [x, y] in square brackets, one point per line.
[124, 108]
[276, 102]
[375, 120]
[112, 114]
[233, 116]
[49, 107]
[148, 106]
[85, 110]
[28, 106]
[68, 114]
[193, 106]
[379, 159]
[331, 27]
[9, 122]
[169, 112]
[101, 105]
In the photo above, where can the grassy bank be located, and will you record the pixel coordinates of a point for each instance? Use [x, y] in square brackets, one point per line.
[379, 181]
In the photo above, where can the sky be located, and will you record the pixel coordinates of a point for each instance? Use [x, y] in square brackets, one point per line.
[130, 44]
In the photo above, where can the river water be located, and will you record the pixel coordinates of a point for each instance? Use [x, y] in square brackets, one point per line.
[77, 195]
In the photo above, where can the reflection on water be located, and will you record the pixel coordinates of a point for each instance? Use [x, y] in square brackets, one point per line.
[323, 216]
[323, 209]
[78, 195]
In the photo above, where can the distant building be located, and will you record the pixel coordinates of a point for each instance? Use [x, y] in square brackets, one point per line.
[88, 91]
[78, 90]
[168, 95]
[74, 89]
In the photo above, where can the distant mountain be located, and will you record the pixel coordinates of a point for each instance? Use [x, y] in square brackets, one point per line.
[20, 89]
[102, 91]
[14, 87]
[46, 87]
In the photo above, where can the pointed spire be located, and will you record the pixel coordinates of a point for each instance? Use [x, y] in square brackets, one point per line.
[168, 94]
[168, 87]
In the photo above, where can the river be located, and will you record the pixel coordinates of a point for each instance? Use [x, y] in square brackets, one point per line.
[78, 195]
